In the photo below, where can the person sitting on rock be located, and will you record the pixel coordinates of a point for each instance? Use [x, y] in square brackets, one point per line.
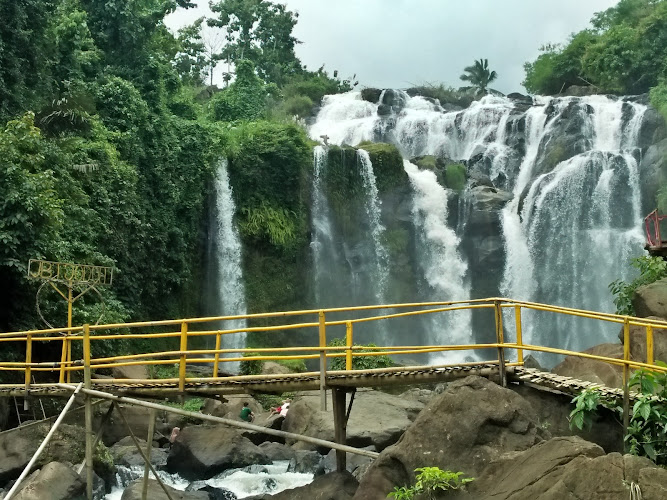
[284, 408]
[246, 413]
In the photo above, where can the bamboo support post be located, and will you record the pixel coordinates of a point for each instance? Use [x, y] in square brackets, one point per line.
[182, 362]
[519, 333]
[500, 340]
[626, 376]
[340, 426]
[106, 417]
[141, 452]
[88, 412]
[649, 345]
[323, 361]
[48, 437]
[219, 420]
[149, 448]
[349, 344]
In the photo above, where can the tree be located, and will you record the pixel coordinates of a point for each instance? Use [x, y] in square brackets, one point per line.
[259, 31]
[479, 75]
[191, 60]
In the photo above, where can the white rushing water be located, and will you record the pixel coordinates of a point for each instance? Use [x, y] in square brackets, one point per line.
[227, 248]
[246, 482]
[442, 265]
[571, 167]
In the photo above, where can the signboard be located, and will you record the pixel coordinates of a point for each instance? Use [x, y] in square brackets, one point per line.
[72, 274]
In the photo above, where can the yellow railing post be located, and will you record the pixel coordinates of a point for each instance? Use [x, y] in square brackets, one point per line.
[182, 363]
[87, 382]
[519, 333]
[217, 354]
[626, 376]
[323, 361]
[500, 340]
[28, 360]
[348, 342]
[649, 345]
[63, 361]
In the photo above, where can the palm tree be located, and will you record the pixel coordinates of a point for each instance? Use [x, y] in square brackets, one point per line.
[479, 75]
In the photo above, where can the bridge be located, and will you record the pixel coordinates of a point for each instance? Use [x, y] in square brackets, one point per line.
[182, 345]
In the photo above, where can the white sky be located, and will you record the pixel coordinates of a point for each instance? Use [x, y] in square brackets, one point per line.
[398, 43]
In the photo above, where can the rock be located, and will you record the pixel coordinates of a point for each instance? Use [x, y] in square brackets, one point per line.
[214, 407]
[334, 486]
[134, 372]
[473, 422]
[371, 94]
[4, 413]
[376, 419]
[489, 199]
[124, 452]
[653, 128]
[524, 100]
[230, 406]
[17, 448]
[55, 481]
[352, 461]
[395, 99]
[638, 342]
[155, 492]
[137, 417]
[418, 394]
[553, 410]
[597, 372]
[567, 469]
[272, 368]
[213, 493]
[306, 461]
[651, 299]
[277, 451]
[200, 452]
[653, 164]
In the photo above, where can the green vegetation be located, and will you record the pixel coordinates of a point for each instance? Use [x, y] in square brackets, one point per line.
[455, 176]
[479, 76]
[624, 52]
[646, 435]
[360, 362]
[446, 95]
[429, 482]
[651, 269]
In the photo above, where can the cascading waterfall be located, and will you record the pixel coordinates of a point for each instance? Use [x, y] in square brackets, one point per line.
[442, 265]
[570, 169]
[227, 258]
[373, 212]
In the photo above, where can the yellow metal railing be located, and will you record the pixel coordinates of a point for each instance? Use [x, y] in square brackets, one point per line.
[183, 333]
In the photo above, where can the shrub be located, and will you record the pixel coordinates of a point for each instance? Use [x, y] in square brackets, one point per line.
[651, 269]
[360, 362]
[251, 366]
[455, 176]
[429, 481]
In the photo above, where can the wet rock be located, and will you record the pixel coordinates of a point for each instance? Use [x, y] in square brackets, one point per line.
[473, 422]
[376, 419]
[55, 481]
[352, 461]
[371, 94]
[334, 486]
[155, 492]
[651, 170]
[200, 452]
[277, 451]
[306, 461]
[124, 452]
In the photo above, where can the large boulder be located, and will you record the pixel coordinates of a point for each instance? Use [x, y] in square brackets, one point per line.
[334, 486]
[463, 429]
[568, 469]
[376, 419]
[125, 452]
[137, 372]
[651, 171]
[597, 372]
[55, 481]
[651, 299]
[277, 451]
[155, 492]
[201, 452]
[638, 342]
[138, 419]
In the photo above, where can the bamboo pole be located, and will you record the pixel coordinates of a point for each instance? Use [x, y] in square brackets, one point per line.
[48, 437]
[219, 420]
[141, 452]
[149, 448]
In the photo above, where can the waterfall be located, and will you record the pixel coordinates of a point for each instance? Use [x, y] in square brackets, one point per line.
[373, 212]
[569, 167]
[227, 257]
[441, 263]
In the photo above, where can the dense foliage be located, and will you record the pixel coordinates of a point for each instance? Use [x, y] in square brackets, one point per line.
[647, 432]
[624, 52]
[650, 269]
[430, 483]
[109, 141]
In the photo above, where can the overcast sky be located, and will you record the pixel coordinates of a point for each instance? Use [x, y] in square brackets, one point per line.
[398, 43]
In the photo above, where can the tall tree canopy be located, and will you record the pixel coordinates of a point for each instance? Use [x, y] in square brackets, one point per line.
[479, 75]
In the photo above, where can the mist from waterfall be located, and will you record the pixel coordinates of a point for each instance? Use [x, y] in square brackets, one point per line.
[226, 248]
